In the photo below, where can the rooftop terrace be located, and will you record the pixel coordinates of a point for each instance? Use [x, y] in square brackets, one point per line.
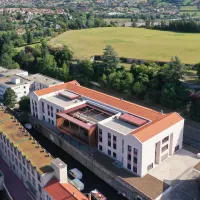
[25, 143]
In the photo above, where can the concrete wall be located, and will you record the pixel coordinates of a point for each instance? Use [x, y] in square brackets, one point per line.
[110, 178]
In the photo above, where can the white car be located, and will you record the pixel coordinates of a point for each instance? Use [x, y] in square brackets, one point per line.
[28, 126]
[75, 173]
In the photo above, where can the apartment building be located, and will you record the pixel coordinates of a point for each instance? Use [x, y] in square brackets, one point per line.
[44, 176]
[137, 137]
[23, 83]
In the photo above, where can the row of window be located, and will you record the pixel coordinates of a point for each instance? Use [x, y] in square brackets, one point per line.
[114, 155]
[11, 151]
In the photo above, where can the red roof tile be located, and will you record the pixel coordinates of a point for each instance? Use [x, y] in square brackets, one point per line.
[63, 191]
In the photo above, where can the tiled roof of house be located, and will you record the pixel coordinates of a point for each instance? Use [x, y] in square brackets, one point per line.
[158, 121]
[61, 191]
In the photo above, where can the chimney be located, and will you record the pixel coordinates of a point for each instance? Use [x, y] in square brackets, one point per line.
[60, 170]
[89, 196]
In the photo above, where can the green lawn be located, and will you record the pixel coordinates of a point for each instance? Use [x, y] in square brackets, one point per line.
[132, 42]
[192, 8]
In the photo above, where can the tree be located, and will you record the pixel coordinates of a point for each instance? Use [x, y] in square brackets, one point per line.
[139, 89]
[24, 103]
[198, 69]
[195, 106]
[175, 69]
[84, 71]
[9, 98]
[110, 59]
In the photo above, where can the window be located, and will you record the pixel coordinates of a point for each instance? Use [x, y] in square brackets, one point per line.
[33, 182]
[40, 189]
[114, 155]
[100, 148]
[129, 148]
[42, 104]
[47, 106]
[48, 113]
[42, 109]
[135, 160]
[165, 139]
[57, 110]
[49, 120]
[135, 151]
[129, 166]
[38, 176]
[24, 92]
[129, 157]
[109, 152]
[114, 138]
[177, 148]
[109, 143]
[109, 136]
[100, 131]
[51, 108]
[135, 169]
[150, 167]
[164, 148]
[100, 138]
[43, 117]
[114, 145]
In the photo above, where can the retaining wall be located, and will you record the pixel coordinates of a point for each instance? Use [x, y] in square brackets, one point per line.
[110, 178]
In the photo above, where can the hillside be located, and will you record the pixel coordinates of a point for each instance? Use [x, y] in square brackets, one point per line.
[132, 42]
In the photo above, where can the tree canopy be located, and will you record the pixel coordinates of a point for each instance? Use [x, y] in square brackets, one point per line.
[9, 98]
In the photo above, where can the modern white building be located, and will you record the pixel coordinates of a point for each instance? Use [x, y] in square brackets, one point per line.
[44, 176]
[137, 137]
[20, 84]
[23, 83]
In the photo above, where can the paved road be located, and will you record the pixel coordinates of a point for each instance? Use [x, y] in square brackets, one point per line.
[15, 186]
[90, 180]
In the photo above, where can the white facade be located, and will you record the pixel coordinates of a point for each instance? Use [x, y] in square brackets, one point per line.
[136, 156]
[116, 137]
[22, 83]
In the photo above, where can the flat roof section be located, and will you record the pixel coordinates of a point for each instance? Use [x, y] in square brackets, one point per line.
[68, 94]
[62, 101]
[7, 80]
[16, 134]
[119, 126]
[10, 72]
[44, 79]
[133, 119]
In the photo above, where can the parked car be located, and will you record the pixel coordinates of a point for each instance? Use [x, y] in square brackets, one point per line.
[75, 173]
[77, 184]
[96, 195]
[28, 126]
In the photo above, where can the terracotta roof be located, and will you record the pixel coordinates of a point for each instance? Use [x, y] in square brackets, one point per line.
[159, 121]
[150, 130]
[63, 191]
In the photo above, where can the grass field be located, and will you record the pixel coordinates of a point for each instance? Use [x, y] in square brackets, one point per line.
[132, 42]
[192, 8]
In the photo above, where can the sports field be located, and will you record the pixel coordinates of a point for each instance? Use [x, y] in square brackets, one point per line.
[132, 43]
